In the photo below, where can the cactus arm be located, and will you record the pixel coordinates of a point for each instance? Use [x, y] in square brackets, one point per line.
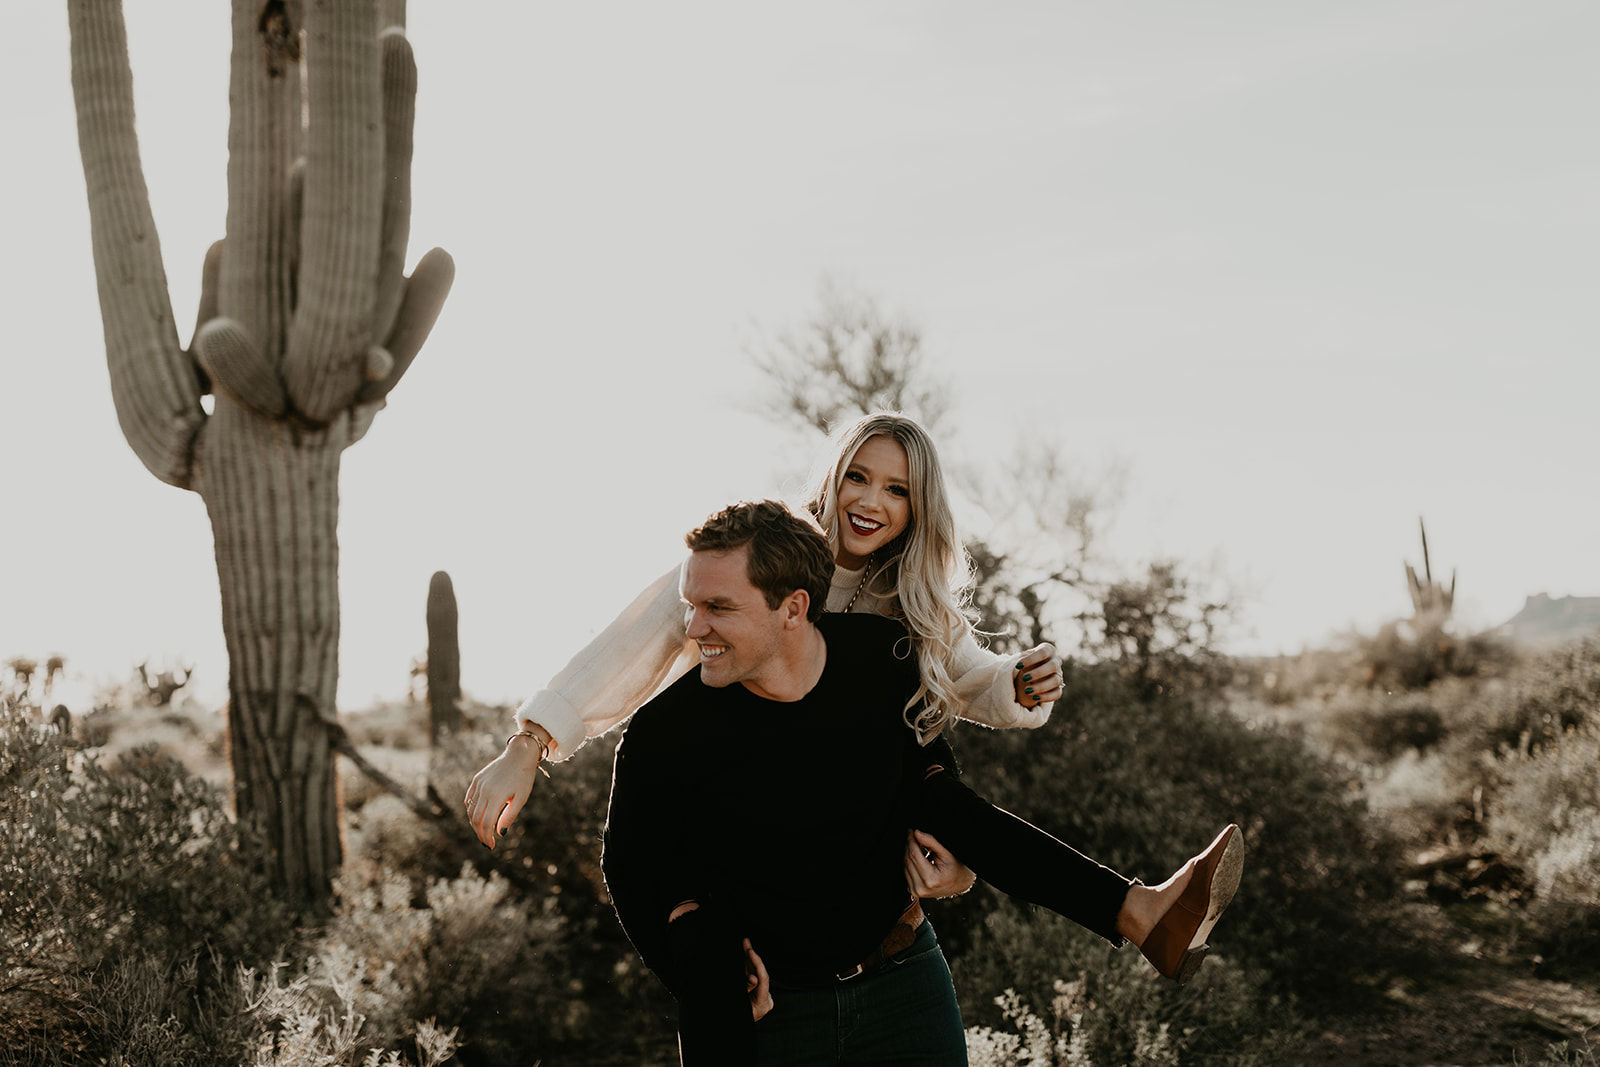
[336, 288]
[264, 140]
[238, 369]
[399, 116]
[210, 273]
[392, 13]
[154, 384]
[421, 301]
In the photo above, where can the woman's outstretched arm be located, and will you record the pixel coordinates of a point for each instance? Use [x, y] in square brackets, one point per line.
[608, 680]
[613, 675]
[998, 692]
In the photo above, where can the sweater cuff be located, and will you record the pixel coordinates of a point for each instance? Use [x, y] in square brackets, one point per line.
[1002, 696]
[560, 720]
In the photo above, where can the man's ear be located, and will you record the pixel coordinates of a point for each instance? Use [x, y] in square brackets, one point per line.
[795, 607]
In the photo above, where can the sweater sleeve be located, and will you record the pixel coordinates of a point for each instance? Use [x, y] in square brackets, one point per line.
[1012, 854]
[642, 649]
[985, 683]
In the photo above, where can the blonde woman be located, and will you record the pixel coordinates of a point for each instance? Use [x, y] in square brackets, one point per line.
[880, 497]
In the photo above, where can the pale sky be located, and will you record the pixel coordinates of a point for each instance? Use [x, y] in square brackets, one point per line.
[1307, 272]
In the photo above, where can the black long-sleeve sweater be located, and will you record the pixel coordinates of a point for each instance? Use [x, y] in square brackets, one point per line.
[742, 803]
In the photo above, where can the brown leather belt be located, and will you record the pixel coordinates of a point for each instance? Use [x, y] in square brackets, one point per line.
[898, 939]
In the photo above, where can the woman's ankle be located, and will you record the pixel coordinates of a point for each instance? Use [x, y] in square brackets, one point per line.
[1145, 905]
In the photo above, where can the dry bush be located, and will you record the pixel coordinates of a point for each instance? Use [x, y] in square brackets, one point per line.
[1115, 1010]
[468, 953]
[109, 875]
[1377, 728]
[1546, 818]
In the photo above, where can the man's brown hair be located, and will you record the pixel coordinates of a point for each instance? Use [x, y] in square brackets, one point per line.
[788, 551]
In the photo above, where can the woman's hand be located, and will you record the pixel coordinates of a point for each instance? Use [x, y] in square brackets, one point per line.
[935, 873]
[756, 982]
[498, 792]
[1038, 676]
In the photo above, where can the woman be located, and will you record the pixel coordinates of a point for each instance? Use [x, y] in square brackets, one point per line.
[881, 500]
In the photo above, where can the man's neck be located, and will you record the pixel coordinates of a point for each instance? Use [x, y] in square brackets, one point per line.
[797, 670]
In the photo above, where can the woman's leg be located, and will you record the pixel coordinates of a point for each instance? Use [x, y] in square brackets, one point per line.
[1169, 922]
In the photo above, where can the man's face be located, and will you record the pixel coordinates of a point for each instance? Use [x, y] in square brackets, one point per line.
[729, 618]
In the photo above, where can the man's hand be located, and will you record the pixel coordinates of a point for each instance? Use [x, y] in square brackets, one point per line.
[498, 792]
[1038, 676]
[936, 873]
[756, 982]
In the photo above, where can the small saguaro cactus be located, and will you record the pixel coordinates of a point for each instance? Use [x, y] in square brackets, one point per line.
[306, 323]
[444, 660]
[1431, 602]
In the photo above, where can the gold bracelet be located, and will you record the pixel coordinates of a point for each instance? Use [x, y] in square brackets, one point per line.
[544, 748]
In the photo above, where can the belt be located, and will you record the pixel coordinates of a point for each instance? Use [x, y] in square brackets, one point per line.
[898, 939]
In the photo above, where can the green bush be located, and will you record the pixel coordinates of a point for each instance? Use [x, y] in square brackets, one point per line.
[1142, 786]
[1381, 728]
[111, 875]
[100, 866]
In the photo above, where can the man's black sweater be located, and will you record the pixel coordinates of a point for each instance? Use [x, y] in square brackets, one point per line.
[741, 803]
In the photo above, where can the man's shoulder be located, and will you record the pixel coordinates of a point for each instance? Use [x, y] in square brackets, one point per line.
[875, 643]
[678, 699]
[685, 706]
[863, 626]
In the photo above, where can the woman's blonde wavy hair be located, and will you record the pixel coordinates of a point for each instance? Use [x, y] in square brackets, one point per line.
[924, 576]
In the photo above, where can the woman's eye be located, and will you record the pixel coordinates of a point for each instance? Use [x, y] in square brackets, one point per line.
[899, 490]
[854, 476]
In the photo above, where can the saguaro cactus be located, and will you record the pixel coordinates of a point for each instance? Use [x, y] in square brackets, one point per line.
[306, 323]
[444, 659]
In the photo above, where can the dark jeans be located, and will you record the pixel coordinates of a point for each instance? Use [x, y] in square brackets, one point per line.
[904, 1012]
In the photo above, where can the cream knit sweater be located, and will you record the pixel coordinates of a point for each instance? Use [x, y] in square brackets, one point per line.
[647, 647]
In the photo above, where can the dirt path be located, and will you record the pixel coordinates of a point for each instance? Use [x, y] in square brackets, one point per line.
[1486, 1008]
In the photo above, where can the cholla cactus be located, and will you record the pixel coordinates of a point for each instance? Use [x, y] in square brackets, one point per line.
[306, 323]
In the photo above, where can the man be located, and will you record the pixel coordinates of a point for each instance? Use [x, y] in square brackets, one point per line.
[785, 753]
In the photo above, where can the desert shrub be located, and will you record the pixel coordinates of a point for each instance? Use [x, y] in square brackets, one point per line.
[1141, 786]
[295, 1027]
[142, 1012]
[1382, 728]
[1539, 702]
[1413, 655]
[600, 1003]
[464, 954]
[1545, 822]
[111, 874]
[1114, 1010]
[399, 726]
[98, 863]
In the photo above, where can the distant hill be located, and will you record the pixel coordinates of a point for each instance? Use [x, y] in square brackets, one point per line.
[1544, 622]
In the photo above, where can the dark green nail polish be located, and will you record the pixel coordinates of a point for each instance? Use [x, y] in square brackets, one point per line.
[503, 833]
[1027, 677]
[1027, 690]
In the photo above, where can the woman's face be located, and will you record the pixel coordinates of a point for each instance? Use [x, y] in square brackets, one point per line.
[874, 500]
